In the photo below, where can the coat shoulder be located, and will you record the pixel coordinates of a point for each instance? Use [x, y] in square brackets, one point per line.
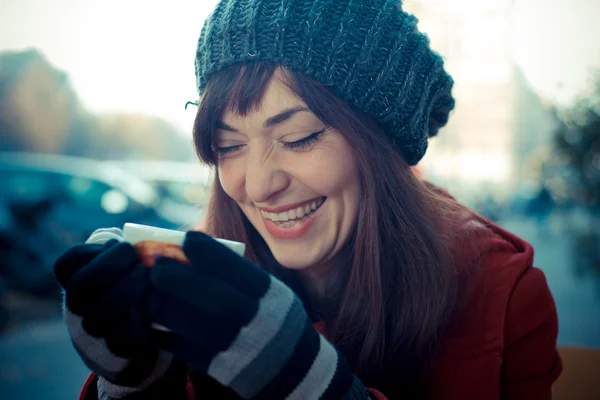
[502, 337]
[490, 264]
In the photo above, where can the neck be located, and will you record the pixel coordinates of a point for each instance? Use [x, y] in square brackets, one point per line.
[323, 284]
[316, 284]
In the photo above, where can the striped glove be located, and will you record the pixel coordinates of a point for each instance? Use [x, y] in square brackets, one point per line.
[244, 328]
[105, 289]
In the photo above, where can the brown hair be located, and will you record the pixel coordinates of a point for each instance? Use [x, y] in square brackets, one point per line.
[397, 294]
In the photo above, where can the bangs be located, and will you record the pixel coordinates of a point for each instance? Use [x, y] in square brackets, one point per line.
[238, 89]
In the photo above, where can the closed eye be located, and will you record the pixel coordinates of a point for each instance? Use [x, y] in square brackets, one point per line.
[304, 142]
[221, 151]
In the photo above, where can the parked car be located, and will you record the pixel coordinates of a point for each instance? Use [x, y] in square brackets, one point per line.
[51, 202]
[186, 184]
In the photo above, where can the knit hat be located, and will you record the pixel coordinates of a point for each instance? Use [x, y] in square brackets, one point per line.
[369, 52]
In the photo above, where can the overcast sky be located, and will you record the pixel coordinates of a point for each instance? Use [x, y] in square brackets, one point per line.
[137, 55]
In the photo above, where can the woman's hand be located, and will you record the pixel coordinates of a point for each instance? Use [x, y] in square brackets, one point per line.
[243, 327]
[106, 290]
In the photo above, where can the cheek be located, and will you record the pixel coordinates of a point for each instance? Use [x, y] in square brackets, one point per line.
[232, 179]
[330, 171]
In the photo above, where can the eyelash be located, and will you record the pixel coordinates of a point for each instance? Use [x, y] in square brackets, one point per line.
[297, 145]
[304, 142]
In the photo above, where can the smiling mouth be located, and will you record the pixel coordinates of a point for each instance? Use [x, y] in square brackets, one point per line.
[293, 216]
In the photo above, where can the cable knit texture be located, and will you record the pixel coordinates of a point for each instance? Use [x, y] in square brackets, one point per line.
[369, 52]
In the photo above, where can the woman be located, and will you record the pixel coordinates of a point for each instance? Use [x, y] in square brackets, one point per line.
[360, 281]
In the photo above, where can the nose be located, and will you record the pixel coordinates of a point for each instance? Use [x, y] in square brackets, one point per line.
[265, 176]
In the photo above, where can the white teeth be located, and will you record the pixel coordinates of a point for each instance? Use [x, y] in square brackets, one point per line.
[288, 224]
[268, 215]
[283, 216]
[289, 218]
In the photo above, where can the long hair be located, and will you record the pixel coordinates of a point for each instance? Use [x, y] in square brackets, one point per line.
[397, 293]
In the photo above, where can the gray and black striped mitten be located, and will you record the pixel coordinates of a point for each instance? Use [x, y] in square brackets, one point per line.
[245, 328]
[105, 293]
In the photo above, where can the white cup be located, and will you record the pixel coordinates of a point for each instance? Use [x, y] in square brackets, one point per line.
[134, 233]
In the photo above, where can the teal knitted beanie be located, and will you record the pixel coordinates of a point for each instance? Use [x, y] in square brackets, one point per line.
[369, 52]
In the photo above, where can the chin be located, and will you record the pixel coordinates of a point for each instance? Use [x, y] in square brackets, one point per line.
[293, 262]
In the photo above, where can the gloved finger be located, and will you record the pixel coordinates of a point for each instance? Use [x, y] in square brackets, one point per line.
[116, 303]
[72, 260]
[132, 336]
[216, 259]
[101, 273]
[138, 369]
[198, 356]
[103, 235]
[208, 295]
[182, 318]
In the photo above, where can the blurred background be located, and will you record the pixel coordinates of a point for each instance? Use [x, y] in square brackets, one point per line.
[94, 132]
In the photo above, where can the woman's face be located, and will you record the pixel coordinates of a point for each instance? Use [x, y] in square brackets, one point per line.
[294, 178]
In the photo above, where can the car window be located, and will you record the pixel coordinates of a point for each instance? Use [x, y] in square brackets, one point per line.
[84, 193]
[185, 192]
[27, 185]
[91, 194]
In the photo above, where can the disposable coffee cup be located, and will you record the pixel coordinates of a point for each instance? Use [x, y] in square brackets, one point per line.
[135, 233]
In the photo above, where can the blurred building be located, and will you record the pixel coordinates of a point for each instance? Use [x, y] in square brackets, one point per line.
[37, 107]
[40, 112]
[498, 121]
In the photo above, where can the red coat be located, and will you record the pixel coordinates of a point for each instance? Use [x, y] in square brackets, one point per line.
[502, 345]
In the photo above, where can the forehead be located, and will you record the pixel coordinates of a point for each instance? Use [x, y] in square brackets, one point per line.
[277, 96]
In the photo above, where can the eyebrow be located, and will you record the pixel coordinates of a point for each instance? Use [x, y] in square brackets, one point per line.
[223, 126]
[274, 120]
[284, 116]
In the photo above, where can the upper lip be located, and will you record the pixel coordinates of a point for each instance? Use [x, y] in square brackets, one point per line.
[288, 207]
